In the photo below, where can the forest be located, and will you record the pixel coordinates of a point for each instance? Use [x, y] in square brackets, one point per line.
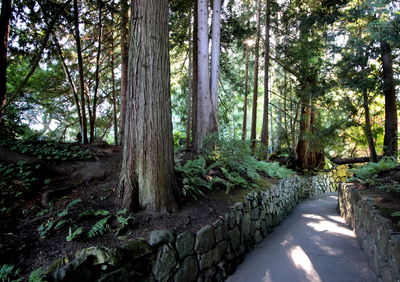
[113, 112]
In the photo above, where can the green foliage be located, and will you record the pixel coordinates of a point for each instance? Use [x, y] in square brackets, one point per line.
[70, 205]
[9, 273]
[275, 170]
[74, 234]
[50, 151]
[99, 228]
[36, 275]
[45, 228]
[396, 213]
[369, 172]
[94, 213]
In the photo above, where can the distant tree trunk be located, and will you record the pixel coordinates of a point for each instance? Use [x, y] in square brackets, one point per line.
[206, 116]
[4, 34]
[70, 81]
[124, 15]
[264, 131]
[368, 130]
[96, 75]
[80, 66]
[195, 73]
[147, 178]
[390, 144]
[215, 54]
[246, 94]
[255, 86]
[114, 95]
[190, 86]
[303, 144]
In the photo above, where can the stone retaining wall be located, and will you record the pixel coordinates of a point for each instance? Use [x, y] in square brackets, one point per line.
[211, 254]
[373, 231]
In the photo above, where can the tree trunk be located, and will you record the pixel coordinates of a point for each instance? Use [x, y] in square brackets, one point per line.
[4, 34]
[246, 94]
[255, 86]
[124, 15]
[190, 86]
[264, 131]
[303, 144]
[114, 95]
[81, 77]
[206, 116]
[215, 54]
[195, 74]
[390, 144]
[96, 75]
[368, 130]
[70, 81]
[147, 178]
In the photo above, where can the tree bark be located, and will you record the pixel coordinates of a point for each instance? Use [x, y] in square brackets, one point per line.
[195, 75]
[6, 12]
[124, 15]
[147, 178]
[390, 143]
[264, 130]
[303, 144]
[215, 54]
[340, 161]
[190, 86]
[80, 67]
[368, 130]
[96, 75]
[255, 86]
[206, 115]
[246, 94]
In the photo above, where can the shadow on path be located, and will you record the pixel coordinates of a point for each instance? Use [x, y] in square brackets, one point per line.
[312, 244]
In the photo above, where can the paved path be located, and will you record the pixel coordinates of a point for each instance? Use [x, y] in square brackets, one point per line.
[312, 244]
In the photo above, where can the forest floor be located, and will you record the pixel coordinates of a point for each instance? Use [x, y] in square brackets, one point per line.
[78, 207]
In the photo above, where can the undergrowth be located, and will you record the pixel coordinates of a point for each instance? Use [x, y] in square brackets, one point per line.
[369, 174]
[230, 164]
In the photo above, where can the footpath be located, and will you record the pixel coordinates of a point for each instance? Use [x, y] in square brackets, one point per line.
[312, 244]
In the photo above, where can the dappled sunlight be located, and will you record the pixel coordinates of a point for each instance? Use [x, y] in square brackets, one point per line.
[302, 262]
[287, 241]
[330, 227]
[313, 216]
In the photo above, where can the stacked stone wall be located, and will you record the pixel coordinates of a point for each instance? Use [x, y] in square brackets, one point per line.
[211, 254]
[374, 232]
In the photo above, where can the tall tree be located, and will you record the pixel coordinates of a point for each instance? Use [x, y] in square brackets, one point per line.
[390, 143]
[81, 76]
[124, 15]
[97, 73]
[264, 130]
[206, 114]
[246, 93]
[215, 53]
[147, 178]
[255, 86]
[195, 74]
[6, 11]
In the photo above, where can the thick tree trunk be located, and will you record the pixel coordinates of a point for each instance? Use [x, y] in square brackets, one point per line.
[215, 54]
[264, 130]
[80, 67]
[340, 161]
[4, 33]
[96, 75]
[303, 144]
[195, 74]
[368, 130]
[206, 116]
[246, 94]
[147, 177]
[124, 15]
[390, 144]
[255, 86]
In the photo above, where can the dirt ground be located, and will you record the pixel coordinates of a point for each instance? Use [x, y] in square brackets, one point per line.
[94, 183]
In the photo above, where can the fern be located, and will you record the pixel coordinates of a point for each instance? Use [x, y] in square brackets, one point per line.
[36, 275]
[74, 235]
[45, 228]
[371, 170]
[99, 228]
[94, 213]
[9, 273]
[70, 205]
[60, 224]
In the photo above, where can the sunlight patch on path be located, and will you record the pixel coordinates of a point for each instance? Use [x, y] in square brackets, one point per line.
[302, 262]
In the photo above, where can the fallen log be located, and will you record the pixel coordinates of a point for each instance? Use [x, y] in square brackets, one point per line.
[342, 161]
